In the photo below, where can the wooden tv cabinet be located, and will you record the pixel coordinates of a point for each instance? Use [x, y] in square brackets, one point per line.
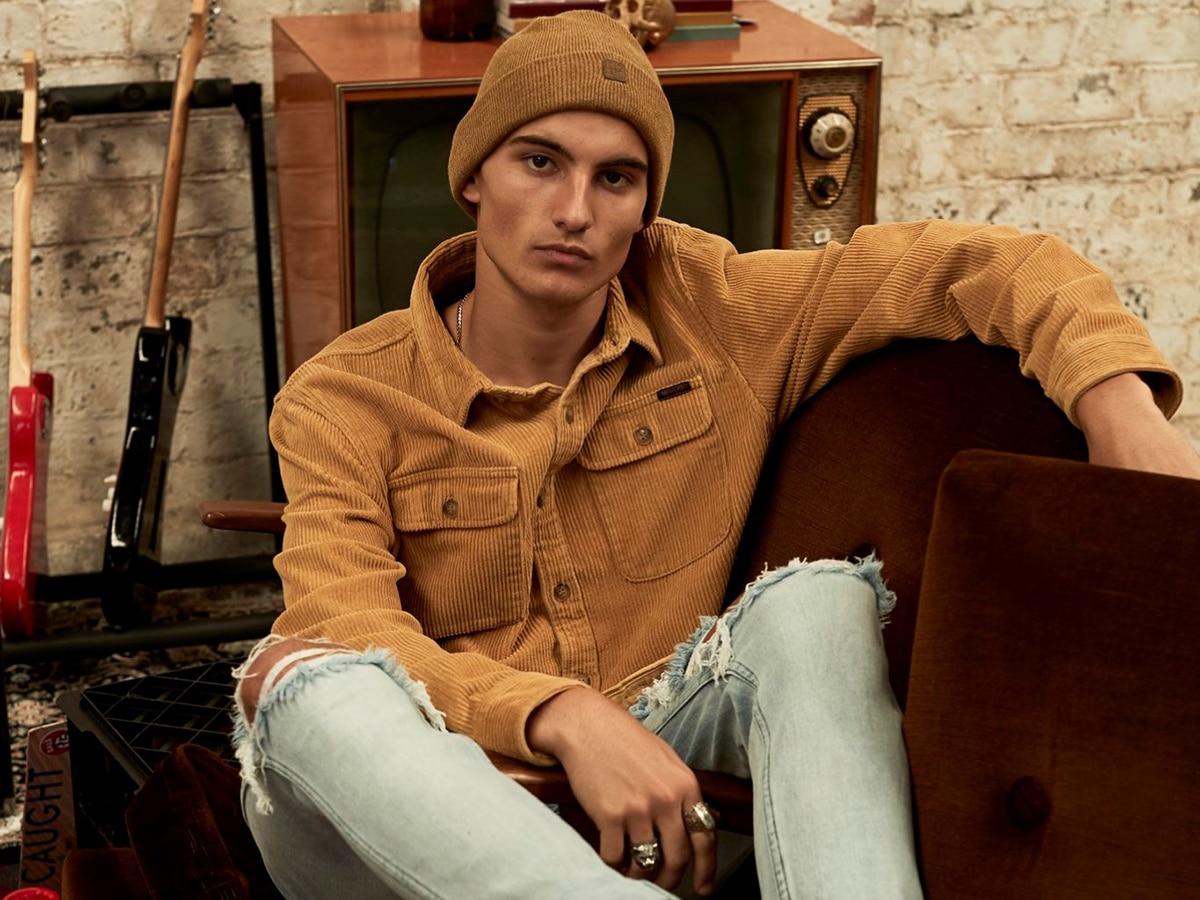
[326, 67]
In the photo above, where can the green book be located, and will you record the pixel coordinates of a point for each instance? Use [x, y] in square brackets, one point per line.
[706, 32]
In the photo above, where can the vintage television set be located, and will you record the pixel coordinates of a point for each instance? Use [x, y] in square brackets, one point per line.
[776, 146]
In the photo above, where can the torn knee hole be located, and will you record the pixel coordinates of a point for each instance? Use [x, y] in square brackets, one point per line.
[271, 662]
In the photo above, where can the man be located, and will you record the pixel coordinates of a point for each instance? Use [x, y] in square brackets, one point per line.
[509, 504]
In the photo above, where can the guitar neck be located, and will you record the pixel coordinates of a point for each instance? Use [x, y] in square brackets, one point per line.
[164, 237]
[20, 360]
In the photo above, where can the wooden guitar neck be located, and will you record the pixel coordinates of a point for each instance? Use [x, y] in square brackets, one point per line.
[20, 360]
[164, 238]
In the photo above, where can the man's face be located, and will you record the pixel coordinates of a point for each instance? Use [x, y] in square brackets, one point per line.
[558, 203]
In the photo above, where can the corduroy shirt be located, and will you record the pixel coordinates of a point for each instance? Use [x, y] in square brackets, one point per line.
[509, 543]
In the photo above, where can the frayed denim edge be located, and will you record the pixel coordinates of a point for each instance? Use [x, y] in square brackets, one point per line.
[248, 740]
[709, 646]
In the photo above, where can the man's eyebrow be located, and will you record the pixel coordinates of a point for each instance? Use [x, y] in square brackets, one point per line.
[537, 140]
[629, 162]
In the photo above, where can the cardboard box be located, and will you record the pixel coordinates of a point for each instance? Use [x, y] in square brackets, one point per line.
[48, 819]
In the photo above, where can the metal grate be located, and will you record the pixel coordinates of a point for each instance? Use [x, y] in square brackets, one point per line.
[149, 716]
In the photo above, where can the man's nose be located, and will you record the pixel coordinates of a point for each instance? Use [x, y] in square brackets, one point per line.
[574, 204]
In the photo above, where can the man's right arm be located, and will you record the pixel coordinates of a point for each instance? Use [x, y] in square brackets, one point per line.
[630, 782]
[340, 570]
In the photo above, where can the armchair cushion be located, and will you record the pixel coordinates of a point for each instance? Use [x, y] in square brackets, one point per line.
[1053, 719]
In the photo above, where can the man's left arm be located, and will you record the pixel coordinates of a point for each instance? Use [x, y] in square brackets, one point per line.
[1125, 428]
[791, 320]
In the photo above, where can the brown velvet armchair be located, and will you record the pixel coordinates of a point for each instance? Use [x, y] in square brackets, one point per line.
[1044, 643]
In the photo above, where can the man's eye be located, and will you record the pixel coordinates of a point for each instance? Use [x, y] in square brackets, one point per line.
[537, 162]
[615, 179]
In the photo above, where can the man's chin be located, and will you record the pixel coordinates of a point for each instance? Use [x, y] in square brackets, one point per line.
[558, 290]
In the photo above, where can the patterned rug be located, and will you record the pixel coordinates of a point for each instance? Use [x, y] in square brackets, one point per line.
[33, 687]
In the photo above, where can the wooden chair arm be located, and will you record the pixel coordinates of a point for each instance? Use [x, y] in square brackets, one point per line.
[243, 515]
[731, 797]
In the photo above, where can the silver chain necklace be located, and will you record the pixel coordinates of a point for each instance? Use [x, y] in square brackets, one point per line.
[458, 320]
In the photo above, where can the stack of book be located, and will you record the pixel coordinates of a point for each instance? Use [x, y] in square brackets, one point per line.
[695, 20]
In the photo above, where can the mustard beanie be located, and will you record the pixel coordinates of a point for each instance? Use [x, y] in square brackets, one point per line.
[575, 60]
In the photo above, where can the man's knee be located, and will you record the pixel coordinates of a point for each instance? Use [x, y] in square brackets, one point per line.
[314, 698]
[807, 602]
[280, 669]
[270, 663]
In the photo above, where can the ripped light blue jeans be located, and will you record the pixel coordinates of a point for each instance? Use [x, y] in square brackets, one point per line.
[353, 787]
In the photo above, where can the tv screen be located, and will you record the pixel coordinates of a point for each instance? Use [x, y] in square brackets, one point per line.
[725, 178]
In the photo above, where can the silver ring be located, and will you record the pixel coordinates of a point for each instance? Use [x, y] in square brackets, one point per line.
[699, 818]
[645, 856]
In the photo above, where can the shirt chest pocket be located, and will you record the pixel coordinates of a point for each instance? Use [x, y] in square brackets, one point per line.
[459, 537]
[656, 469]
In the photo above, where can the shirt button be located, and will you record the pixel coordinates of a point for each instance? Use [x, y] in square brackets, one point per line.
[450, 508]
[562, 591]
[643, 435]
[583, 679]
[569, 414]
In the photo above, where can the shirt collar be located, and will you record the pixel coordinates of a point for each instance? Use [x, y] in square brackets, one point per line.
[446, 276]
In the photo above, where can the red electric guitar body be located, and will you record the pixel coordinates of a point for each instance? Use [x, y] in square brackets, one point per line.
[31, 401]
[29, 412]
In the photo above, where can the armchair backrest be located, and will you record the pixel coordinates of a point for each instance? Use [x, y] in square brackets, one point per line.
[856, 469]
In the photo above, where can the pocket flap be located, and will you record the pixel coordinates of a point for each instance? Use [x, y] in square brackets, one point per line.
[457, 497]
[643, 426]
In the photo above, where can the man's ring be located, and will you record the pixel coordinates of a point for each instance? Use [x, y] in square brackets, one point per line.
[645, 856]
[699, 818]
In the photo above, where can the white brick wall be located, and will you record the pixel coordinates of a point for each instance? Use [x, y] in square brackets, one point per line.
[1080, 117]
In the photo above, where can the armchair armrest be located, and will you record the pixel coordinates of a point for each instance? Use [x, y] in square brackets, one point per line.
[1053, 719]
[731, 797]
[243, 515]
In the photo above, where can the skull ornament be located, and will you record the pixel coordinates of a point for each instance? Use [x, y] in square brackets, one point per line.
[650, 21]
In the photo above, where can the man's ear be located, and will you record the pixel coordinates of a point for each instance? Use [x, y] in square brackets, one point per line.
[470, 191]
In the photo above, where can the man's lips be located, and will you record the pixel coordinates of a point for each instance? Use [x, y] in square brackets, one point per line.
[566, 253]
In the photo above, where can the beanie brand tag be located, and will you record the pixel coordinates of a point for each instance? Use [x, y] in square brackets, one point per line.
[614, 70]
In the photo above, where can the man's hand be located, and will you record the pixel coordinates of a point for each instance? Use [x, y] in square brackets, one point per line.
[1125, 429]
[629, 781]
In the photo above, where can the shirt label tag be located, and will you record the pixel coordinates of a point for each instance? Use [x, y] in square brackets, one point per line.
[674, 390]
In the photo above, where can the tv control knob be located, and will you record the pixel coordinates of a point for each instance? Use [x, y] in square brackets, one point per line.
[826, 187]
[830, 133]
